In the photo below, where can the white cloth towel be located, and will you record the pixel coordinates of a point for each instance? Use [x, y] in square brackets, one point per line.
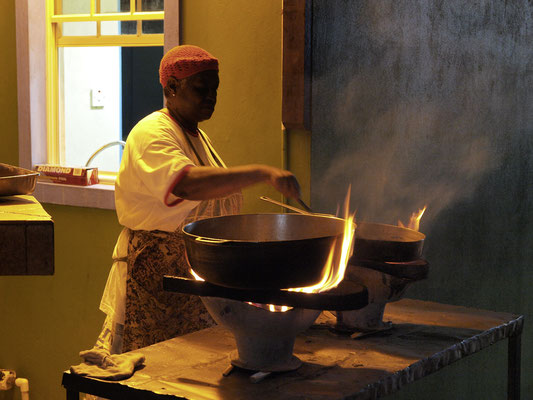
[98, 363]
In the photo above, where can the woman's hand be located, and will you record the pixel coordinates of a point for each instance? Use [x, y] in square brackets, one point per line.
[284, 182]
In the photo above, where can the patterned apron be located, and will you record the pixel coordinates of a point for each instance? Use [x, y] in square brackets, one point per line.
[152, 314]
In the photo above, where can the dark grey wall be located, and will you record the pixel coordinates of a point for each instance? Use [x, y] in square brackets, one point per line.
[420, 102]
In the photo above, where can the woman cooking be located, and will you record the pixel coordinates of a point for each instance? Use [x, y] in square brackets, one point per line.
[170, 175]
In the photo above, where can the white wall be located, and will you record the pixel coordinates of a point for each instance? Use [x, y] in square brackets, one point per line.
[86, 127]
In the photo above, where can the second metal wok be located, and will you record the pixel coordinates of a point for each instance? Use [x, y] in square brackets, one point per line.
[382, 242]
[267, 251]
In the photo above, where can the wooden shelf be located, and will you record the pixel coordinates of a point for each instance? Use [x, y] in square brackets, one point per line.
[26, 237]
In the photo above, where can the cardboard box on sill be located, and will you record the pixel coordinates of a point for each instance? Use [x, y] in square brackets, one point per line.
[81, 176]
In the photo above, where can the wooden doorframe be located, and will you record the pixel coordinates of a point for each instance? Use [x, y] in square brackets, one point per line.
[296, 75]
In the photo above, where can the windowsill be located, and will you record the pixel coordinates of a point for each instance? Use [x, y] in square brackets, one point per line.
[94, 196]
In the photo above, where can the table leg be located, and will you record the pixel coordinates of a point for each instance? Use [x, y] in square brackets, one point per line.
[73, 394]
[513, 367]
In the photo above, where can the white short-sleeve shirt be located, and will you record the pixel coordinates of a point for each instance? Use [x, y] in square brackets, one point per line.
[155, 157]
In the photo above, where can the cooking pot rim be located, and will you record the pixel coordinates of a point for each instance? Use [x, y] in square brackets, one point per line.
[236, 241]
[420, 236]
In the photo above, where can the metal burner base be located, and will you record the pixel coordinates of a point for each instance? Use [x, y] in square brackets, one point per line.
[369, 318]
[264, 339]
[383, 288]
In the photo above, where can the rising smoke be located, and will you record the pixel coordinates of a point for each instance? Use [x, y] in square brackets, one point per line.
[421, 109]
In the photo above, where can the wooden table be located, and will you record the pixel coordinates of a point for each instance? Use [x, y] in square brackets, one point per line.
[26, 237]
[425, 337]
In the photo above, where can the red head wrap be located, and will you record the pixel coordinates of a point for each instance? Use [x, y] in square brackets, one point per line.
[183, 61]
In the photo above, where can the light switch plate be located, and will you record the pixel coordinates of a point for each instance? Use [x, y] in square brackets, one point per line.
[97, 98]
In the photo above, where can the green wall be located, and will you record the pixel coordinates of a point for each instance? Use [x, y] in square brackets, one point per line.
[47, 320]
[8, 84]
[246, 37]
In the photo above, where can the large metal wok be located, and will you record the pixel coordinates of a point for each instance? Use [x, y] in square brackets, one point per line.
[262, 251]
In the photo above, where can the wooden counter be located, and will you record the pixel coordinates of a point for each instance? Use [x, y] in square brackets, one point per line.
[425, 337]
[26, 237]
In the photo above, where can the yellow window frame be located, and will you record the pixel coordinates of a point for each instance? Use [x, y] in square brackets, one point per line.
[55, 39]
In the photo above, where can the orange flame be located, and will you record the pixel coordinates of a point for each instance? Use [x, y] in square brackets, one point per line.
[334, 271]
[414, 221]
[336, 264]
[196, 276]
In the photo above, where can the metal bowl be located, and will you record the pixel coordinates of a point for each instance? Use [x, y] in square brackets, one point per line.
[16, 180]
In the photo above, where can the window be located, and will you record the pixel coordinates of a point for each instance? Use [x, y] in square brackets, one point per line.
[95, 49]
[62, 48]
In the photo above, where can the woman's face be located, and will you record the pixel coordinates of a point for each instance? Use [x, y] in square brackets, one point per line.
[195, 96]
